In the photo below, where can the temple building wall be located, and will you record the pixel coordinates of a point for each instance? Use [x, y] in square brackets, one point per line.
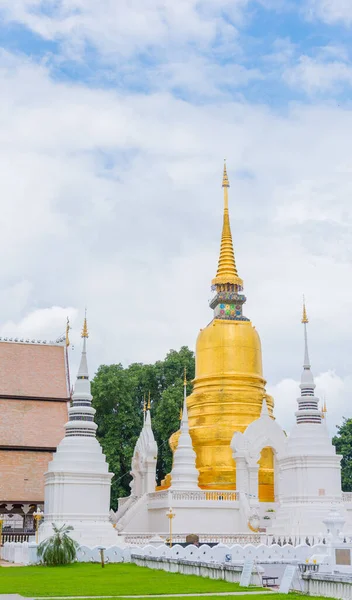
[22, 475]
[34, 399]
[22, 423]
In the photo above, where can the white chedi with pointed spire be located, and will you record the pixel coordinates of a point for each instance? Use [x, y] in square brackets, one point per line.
[184, 474]
[308, 403]
[310, 472]
[144, 459]
[78, 482]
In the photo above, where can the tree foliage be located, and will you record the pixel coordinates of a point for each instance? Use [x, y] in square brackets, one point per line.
[343, 444]
[59, 548]
[118, 395]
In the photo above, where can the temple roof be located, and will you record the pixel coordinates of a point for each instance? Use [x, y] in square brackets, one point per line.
[33, 370]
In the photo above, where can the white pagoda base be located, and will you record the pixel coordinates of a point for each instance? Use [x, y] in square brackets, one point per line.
[77, 493]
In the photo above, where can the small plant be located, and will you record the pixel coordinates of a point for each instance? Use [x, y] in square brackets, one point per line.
[271, 510]
[58, 549]
[266, 517]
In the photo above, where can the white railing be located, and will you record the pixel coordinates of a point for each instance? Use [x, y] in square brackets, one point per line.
[211, 569]
[347, 496]
[335, 585]
[125, 507]
[140, 539]
[123, 501]
[205, 495]
[196, 496]
[158, 495]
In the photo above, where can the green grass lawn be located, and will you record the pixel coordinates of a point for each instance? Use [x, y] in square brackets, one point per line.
[277, 596]
[87, 579]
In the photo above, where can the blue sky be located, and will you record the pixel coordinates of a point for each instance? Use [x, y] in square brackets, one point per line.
[115, 120]
[258, 51]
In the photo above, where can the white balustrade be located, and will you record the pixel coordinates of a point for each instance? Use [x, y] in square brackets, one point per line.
[328, 586]
[195, 496]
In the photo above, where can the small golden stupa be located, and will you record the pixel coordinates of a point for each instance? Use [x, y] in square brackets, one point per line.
[229, 386]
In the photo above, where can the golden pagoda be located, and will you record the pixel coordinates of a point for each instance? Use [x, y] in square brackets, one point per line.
[229, 386]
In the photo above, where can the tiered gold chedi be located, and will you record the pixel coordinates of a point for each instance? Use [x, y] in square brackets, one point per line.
[229, 386]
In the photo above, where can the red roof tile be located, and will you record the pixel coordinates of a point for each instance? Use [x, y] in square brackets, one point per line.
[34, 370]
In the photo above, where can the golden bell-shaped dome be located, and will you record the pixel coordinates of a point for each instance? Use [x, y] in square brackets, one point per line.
[227, 396]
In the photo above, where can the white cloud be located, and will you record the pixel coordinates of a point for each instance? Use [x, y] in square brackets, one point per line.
[126, 26]
[315, 76]
[201, 77]
[43, 324]
[331, 11]
[114, 202]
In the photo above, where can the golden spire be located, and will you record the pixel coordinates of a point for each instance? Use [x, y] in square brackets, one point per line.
[185, 376]
[149, 405]
[304, 315]
[225, 179]
[227, 270]
[181, 413]
[68, 327]
[85, 333]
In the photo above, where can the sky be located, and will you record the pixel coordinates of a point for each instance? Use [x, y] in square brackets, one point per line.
[116, 117]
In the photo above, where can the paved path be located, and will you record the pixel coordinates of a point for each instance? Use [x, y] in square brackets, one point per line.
[199, 595]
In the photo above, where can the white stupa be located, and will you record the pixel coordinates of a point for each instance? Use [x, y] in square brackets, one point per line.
[78, 482]
[310, 472]
[184, 474]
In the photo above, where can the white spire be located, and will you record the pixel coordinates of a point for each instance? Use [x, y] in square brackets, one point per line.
[308, 410]
[143, 469]
[184, 474]
[81, 413]
[264, 412]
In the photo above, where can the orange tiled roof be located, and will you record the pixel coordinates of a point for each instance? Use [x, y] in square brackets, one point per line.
[35, 370]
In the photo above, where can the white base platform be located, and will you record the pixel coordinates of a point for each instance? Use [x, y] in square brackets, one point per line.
[86, 533]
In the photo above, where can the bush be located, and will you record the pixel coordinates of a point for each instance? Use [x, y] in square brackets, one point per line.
[192, 538]
[58, 549]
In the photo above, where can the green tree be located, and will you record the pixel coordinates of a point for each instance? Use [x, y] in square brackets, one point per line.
[119, 420]
[59, 548]
[118, 395]
[343, 444]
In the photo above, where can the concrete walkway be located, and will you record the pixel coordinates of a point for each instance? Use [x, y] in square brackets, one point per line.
[195, 594]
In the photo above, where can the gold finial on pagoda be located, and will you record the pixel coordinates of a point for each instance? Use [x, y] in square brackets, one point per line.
[304, 316]
[185, 376]
[149, 404]
[68, 327]
[325, 410]
[227, 270]
[85, 333]
[181, 413]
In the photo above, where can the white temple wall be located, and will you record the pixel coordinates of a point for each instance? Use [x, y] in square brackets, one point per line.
[198, 519]
[77, 494]
[310, 477]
